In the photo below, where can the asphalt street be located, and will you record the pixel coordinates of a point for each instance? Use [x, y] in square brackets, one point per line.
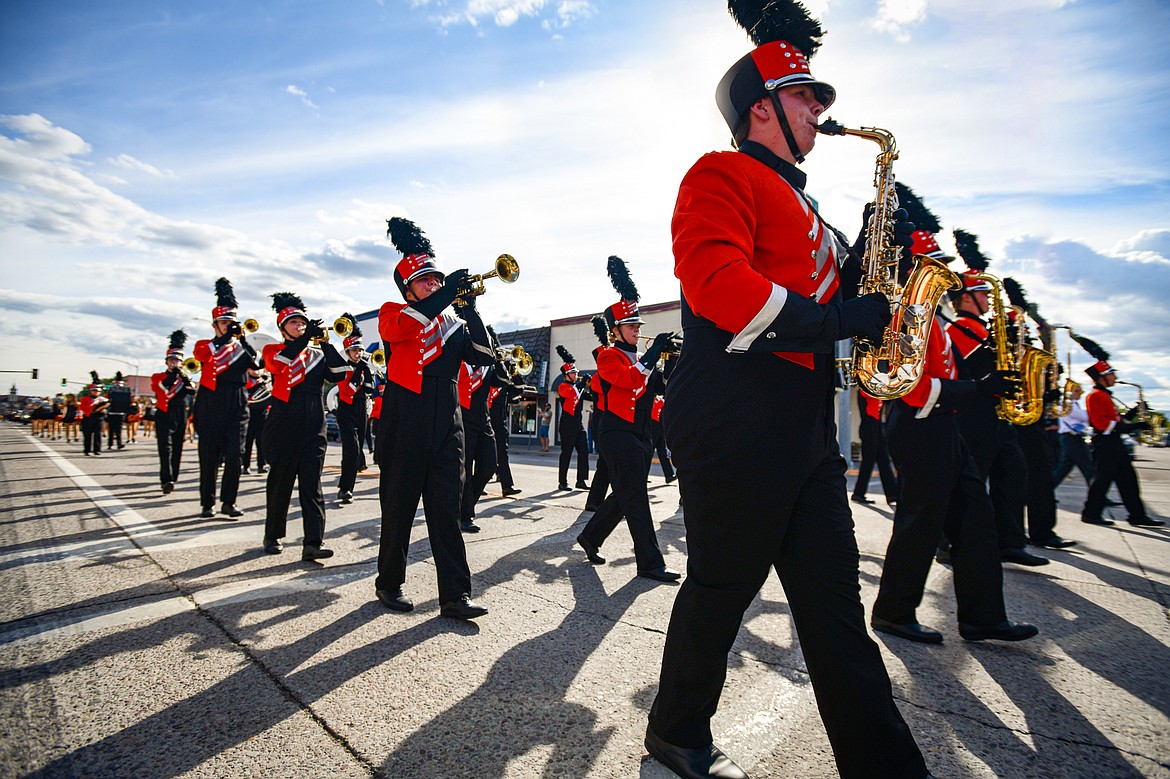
[137, 640]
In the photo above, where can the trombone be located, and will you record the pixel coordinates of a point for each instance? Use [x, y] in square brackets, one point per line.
[506, 270]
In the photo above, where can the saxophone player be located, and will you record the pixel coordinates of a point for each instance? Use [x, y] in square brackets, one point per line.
[762, 309]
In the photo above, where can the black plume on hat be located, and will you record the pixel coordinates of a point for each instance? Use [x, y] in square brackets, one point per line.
[922, 217]
[224, 295]
[777, 20]
[178, 339]
[600, 329]
[491, 331]
[95, 377]
[565, 354]
[968, 246]
[407, 237]
[1095, 350]
[283, 300]
[117, 375]
[1015, 293]
[619, 276]
[357, 331]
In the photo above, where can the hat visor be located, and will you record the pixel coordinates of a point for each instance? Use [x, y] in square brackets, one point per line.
[418, 274]
[825, 93]
[630, 320]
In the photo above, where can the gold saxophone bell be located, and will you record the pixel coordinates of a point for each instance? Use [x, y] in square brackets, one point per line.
[507, 270]
[191, 365]
[378, 357]
[251, 326]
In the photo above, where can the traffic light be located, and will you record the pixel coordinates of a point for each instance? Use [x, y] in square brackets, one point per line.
[35, 372]
[64, 382]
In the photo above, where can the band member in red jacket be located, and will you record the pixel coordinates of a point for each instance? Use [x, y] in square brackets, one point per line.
[220, 405]
[352, 392]
[421, 432]
[599, 487]
[294, 432]
[569, 425]
[93, 413]
[629, 382]
[1111, 462]
[750, 419]
[171, 389]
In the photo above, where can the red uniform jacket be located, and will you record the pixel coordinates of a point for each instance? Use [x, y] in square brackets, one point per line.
[967, 334]
[595, 385]
[216, 360]
[287, 373]
[492, 393]
[656, 409]
[163, 394]
[871, 407]
[86, 402]
[626, 378]
[412, 341]
[940, 364]
[1103, 414]
[470, 380]
[571, 396]
[739, 263]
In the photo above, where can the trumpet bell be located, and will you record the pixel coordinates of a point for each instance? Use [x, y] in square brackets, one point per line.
[191, 365]
[343, 327]
[507, 269]
[378, 357]
[251, 326]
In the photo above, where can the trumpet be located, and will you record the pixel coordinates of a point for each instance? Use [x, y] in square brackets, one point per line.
[378, 357]
[191, 365]
[506, 270]
[673, 350]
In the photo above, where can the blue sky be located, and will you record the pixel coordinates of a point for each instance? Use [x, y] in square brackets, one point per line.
[147, 148]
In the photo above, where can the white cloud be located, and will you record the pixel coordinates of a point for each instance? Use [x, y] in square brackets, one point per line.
[292, 89]
[130, 163]
[895, 16]
[505, 13]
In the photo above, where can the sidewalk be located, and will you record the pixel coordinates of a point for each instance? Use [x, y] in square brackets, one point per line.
[137, 640]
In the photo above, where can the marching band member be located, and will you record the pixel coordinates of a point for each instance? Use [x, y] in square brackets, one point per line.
[629, 382]
[1073, 451]
[599, 487]
[750, 419]
[93, 412]
[992, 442]
[219, 403]
[352, 392]
[569, 425]
[874, 451]
[658, 438]
[479, 443]
[421, 430]
[171, 389]
[121, 397]
[499, 398]
[294, 433]
[1111, 462]
[259, 398]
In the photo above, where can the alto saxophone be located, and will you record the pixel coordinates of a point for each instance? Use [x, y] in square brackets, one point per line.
[1026, 406]
[893, 368]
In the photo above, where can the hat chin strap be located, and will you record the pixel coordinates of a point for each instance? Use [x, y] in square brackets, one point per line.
[784, 126]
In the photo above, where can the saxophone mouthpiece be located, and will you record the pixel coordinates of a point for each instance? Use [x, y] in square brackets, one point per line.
[829, 127]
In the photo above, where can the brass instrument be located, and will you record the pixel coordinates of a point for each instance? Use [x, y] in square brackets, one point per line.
[191, 365]
[1062, 407]
[506, 270]
[251, 326]
[342, 326]
[1026, 406]
[516, 360]
[891, 369]
[378, 358]
[1156, 431]
[674, 350]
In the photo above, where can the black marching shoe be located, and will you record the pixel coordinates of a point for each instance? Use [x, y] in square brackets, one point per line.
[510, 491]
[661, 574]
[862, 499]
[1021, 557]
[273, 546]
[670, 478]
[245, 471]
[468, 526]
[693, 763]
[563, 488]
[582, 485]
[262, 469]
[1054, 542]
[911, 631]
[592, 551]
[168, 487]
[207, 513]
[1097, 521]
[231, 511]
[345, 497]
[464, 608]
[394, 599]
[1004, 631]
[310, 552]
[1146, 522]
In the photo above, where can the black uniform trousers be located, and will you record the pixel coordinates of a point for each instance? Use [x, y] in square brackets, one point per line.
[170, 428]
[874, 451]
[1041, 489]
[763, 487]
[91, 433]
[658, 441]
[351, 423]
[600, 485]
[420, 453]
[257, 416]
[479, 466]
[221, 424]
[628, 457]
[498, 415]
[941, 489]
[1112, 465]
[294, 438]
[114, 423]
[1073, 452]
[573, 439]
[993, 444]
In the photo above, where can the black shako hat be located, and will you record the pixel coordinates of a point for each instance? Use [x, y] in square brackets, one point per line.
[417, 255]
[786, 36]
[625, 311]
[225, 301]
[977, 262]
[287, 305]
[178, 341]
[570, 362]
[1098, 353]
